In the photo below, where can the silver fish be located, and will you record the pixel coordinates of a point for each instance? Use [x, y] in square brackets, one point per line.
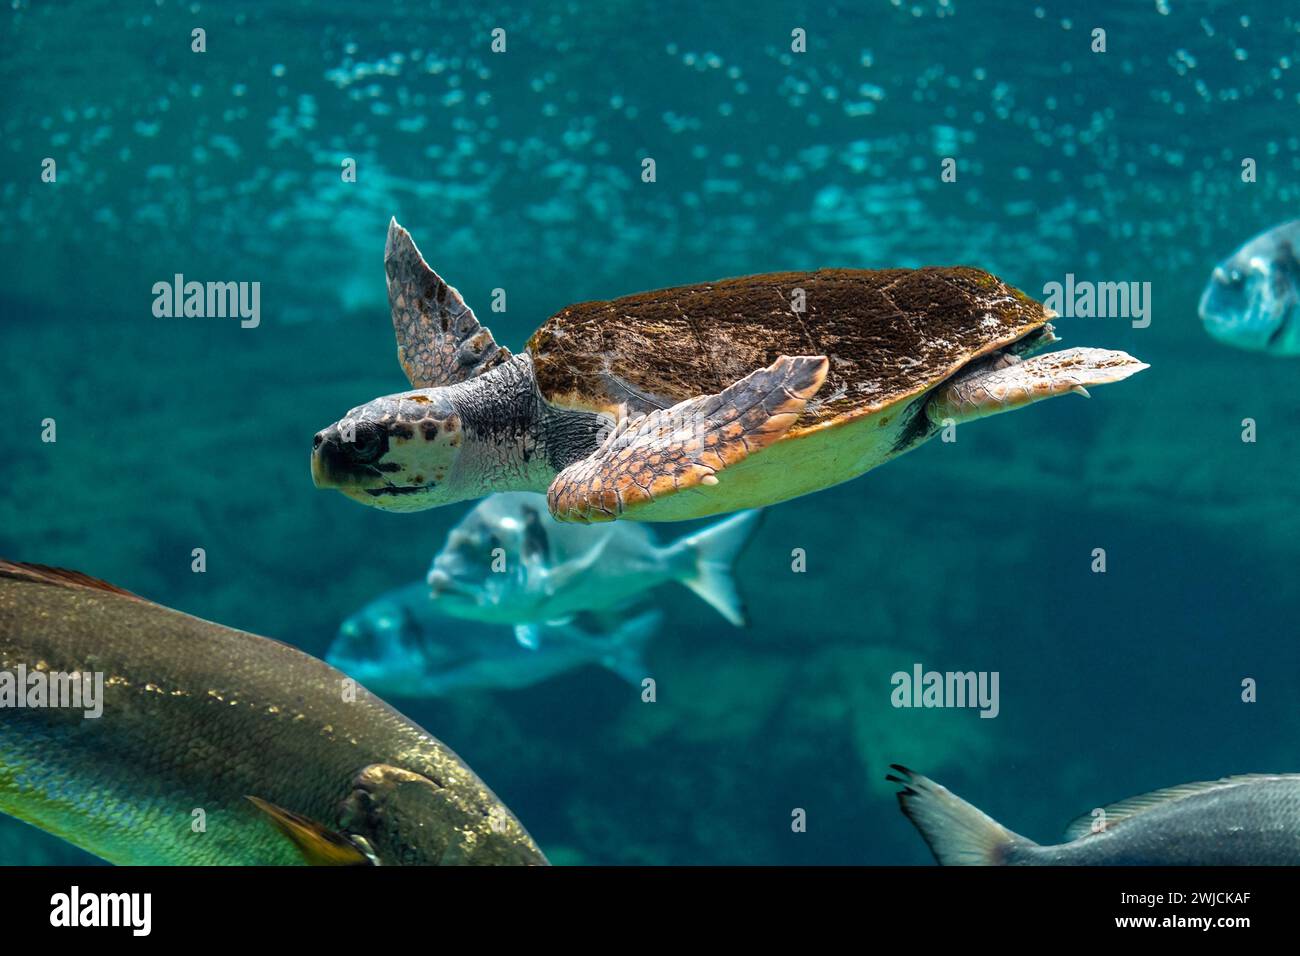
[402, 645]
[1253, 819]
[1253, 297]
[509, 562]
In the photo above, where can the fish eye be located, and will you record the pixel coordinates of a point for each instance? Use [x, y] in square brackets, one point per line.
[535, 541]
[1235, 278]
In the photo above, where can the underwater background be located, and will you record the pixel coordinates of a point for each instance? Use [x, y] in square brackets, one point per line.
[522, 171]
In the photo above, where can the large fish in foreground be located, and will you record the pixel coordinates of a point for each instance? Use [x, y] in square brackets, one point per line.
[401, 645]
[1252, 300]
[1253, 819]
[215, 746]
[509, 562]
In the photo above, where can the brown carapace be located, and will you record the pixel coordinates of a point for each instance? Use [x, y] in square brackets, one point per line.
[887, 333]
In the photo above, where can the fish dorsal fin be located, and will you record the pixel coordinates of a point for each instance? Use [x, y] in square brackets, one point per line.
[1117, 812]
[439, 339]
[529, 636]
[60, 577]
[319, 846]
[564, 575]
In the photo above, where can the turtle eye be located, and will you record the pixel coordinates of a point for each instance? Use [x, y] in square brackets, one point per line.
[365, 446]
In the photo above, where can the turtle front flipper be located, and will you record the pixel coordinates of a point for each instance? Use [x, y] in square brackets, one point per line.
[1010, 383]
[439, 339]
[673, 449]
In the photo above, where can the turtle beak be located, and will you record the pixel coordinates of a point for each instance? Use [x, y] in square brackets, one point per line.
[327, 459]
[317, 471]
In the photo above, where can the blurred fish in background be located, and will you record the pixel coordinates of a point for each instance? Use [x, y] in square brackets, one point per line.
[1253, 296]
[403, 644]
[515, 598]
[510, 562]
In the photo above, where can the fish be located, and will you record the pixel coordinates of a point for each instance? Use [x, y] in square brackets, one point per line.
[402, 644]
[509, 562]
[1253, 296]
[215, 746]
[1246, 820]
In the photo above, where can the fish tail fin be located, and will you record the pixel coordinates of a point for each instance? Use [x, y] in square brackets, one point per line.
[625, 655]
[707, 559]
[957, 833]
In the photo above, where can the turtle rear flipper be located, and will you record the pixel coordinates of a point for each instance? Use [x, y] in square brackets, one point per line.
[1010, 384]
[439, 339]
[672, 449]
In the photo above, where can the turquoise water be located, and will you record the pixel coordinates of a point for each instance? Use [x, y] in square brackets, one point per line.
[522, 171]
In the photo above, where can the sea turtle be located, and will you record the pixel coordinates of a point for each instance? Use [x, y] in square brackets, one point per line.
[692, 401]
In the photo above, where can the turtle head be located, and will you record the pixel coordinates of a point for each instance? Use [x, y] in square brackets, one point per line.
[398, 453]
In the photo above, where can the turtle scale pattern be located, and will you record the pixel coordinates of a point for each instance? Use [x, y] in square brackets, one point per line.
[888, 333]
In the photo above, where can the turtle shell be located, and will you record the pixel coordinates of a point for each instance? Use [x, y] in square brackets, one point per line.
[889, 334]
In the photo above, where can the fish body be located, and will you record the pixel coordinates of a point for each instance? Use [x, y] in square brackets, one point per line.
[509, 562]
[401, 644]
[216, 746]
[1252, 300]
[1253, 819]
